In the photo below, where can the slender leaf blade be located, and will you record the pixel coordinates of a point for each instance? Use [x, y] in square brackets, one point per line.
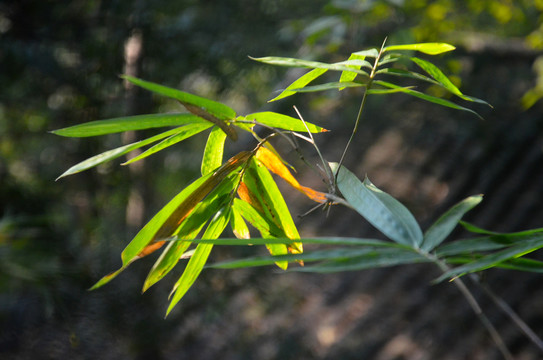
[199, 258]
[280, 121]
[184, 133]
[116, 153]
[216, 109]
[439, 231]
[427, 48]
[292, 62]
[301, 82]
[129, 123]
[426, 97]
[213, 152]
[384, 212]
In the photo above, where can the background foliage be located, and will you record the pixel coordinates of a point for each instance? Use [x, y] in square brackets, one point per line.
[59, 67]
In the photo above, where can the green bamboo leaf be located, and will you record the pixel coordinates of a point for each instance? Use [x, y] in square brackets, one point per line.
[521, 248]
[291, 62]
[281, 121]
[213, 153]
[318, 255]
[388, 91]
[216, 109]
[407, 74]
[329, 86]
[115, 153]
[439, 230]
[427, 48]
[164, 224]
[184, 133]
[129, 123]
[469, 246]
[369, 52]
[475, 229]
[373, 259]
[188, 230]
[444, 81]
[523, 264]
[199, 258]
[272, 197]
[300, 83]
[384, 212]
[338, 241]
[239, 227]
[349, 76]
[427, 97]
[266, 227]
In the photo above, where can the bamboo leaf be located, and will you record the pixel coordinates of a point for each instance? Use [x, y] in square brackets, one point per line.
[291, 62]
[521, 248]
[300, 83]
[369, 52]
[115, 153]
[469, 246]
[349, 76]
[427, 48]
[214, 150]
[275, 165]
[266, 227]
[439, 230]
[129, 123]
[188, 230]
[199, 258]
[239, 227]
[329, 86]
[373, 259]
[214, 108]
[184, 133]
[426, 97]
[240, 205]
[281, 121]
[388, 91]
[384, 212]
[167, 220]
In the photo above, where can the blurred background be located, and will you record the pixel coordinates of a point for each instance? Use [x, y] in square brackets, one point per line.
[59, 66]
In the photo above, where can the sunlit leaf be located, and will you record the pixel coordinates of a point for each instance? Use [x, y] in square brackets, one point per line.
[115, 153]
[184, 133]
[266, 227]
[427, 48]
[189, 229]
[275, 165]
[369, 52]
[374, 91]
[199, 258]
[214, 150]
[272, 198]
[239, 227]
[215, 112]
[300, 83]
[384, 212]
[214, 108]
[129, 123]
[165, 223]
[339, 241]
[349, 76]
[426, 97]
[291, 62]
[439, 230]
[329, 86]
[281, 121]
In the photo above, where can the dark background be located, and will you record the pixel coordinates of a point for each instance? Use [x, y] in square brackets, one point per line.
[59, 66]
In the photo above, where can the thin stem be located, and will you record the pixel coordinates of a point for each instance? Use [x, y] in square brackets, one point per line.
[511, 313]
[362, 105]
[496, 337]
